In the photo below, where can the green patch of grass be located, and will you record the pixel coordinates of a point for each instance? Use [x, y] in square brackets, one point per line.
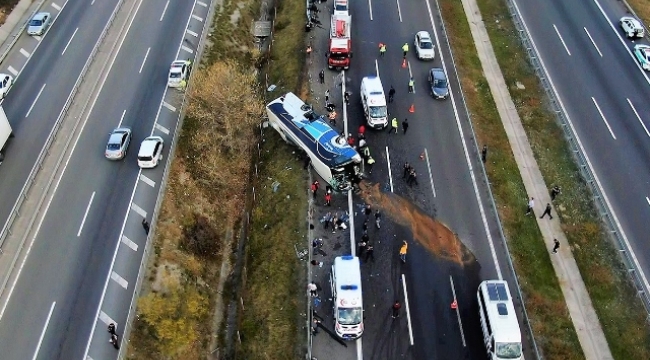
[287, 53]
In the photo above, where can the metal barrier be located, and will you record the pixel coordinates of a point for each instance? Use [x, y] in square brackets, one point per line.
[579, 155]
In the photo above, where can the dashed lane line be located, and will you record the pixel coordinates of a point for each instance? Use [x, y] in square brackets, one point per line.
[140, 211]
[195, 17]
[202, 3]
[13, 71]
[57, 7]
[162, 129]
[187, 49]
[128, 242]
[24, 52]
[120, 280]
[147, 181]
[169, 106]
[192, 33]
[107, 319]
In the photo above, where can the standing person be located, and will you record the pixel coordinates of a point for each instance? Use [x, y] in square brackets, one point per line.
[531, 205]
[370, 163]
[145, 226]
[405, 49]
[350, 140]
[413, 178]
[115, 341]
[362, 130]
[382, 49]
[377, 219]
[361, 249]
[368, 210]
[314, 188]
[327, 96]
[411, 85]
[391, 94]
[393, 126]
[407, 170]
[403, 250]
[405, 125]
[365, 152]
[313, 289]
[332, 117]
[346, 97]
[111, 329]
[547, 211]
[556, 246]
[484, 154]
[370, 253]
[364, 227]
[555, 191]
[396, 306]
[362, 143]
[321, 76]
[365, 238]
[328, 199]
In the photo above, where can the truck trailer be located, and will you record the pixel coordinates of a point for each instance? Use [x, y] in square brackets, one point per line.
[5, 132]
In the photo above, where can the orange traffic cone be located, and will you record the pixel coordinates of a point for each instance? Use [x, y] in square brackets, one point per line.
[454, 305]
[412, 108]
[404, 64]
[422, 156]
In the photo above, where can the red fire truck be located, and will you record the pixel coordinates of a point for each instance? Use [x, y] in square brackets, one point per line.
[340, 50]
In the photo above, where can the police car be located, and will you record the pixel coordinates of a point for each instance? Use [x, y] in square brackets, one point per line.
[179, 72]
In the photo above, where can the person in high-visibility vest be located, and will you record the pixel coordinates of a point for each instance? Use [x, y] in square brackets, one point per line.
[403, 250]
[393, 126]
[370, 162]
[365, 152]
[405, 49]
[411, 85]
[183, 84]
[382, 49]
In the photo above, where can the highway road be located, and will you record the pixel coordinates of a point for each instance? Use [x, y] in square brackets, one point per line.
[605, 95]
[451, 190]
[55, 302]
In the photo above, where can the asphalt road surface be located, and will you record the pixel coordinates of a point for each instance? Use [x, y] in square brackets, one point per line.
[605, 94]
[62, 283]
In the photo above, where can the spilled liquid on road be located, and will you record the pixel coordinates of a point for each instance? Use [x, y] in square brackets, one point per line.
[432, 234]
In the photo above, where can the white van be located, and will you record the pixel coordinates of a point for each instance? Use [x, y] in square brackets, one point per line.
[341, 7]
[373, 101]
[345, 281]
[501, 333]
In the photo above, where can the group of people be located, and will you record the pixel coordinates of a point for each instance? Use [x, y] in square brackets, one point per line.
[335, 221]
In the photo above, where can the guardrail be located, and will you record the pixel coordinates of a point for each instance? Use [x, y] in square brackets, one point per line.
[585, 168]
[22, 29]
[493, 205]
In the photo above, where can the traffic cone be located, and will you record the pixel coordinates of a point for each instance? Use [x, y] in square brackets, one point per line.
[422, 156]
[454, 305]
[412, 108]
[404, 63]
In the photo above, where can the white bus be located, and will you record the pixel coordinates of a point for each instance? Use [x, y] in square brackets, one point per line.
[346, 296]
[501, 333]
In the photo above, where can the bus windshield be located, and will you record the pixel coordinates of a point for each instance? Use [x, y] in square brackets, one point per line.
[350, 316]
[508, 350]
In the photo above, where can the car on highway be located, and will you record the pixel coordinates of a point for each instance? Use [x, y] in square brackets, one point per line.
[150, 152]
[39, 23]
[632, 27]
[178, 73]
[5, 84]
[118, 143]
[642, 53]
[438, 83]
[424, 48]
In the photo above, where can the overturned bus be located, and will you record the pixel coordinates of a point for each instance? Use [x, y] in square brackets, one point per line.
[331, 155]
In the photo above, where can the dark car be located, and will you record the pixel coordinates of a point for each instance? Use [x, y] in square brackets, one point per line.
[438, 83]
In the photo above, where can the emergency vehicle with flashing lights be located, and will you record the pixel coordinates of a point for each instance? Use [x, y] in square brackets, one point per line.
[340, 45]
[373, 101]
[345, 281]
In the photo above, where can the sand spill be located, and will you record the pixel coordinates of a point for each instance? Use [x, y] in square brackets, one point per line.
[432, 234]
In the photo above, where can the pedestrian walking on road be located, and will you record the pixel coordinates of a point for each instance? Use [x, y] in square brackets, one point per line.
[370, 253]
[111, 329]
[396, 306]
[314, 326]
[328, 199]
[313, 289]
[314, 188]
[556, 246]
[145, 225]
[531, 205]
[382, 49]
[411, 86]
[321, 76]
[115, 341]
[555, 191]
[405, 125]
[368, 210]
[547, 211]
[413, 178]
[327, 96]
[369, 163]
[362, 131]
[484, 154]
[391, 94]
[365, 238]
[393, 126]
[407, 170]
[346, 97]
[377, 219]
[361, 249]
[405, 49]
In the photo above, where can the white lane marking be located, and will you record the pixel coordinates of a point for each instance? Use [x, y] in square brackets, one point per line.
[144, 60]
[57, 7]
[122, 118]
[140, 211]
[38, 38]
[359, 349]
[13, 71]
[164, 11]
[187, 49]
[433, 187]
[390, 173]
[24, 52]
[147, 181]
[638, 117]
[107, 319]
[69, 41]
[377, 67]
[202, 3]
[561, 39]
[399, 11]
[195, 17]
[345, 108]
[40, 339]
[169, 106]
[603, 117]
[192, 33]
[408, 310]
[488, 234]
[460, 322]
[370, 8]
[128, 242]
[92, 2]
[120, 280]
[35, 100]
[83, 221]
[593, 42]
[411, 75]
[648, 200]
[162, 129]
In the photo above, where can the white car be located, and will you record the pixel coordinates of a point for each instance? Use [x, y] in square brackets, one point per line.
[424, 48]
[179, 72]
[632, 27]
[150, 152]
[642, 54]
[6, 81]
[39, 23]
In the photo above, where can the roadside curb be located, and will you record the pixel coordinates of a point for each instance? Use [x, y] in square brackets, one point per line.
[15, 24]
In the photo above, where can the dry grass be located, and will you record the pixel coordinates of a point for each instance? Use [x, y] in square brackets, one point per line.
[642, 9]
[5, 9]
[618, 308]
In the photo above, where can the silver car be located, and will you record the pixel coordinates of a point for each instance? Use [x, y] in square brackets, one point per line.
[118, 143]
[39, 23]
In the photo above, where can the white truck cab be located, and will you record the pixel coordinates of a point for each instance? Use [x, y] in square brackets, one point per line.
[373, 101]
[345, 281]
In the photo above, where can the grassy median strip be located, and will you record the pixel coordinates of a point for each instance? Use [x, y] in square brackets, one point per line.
[614, 298]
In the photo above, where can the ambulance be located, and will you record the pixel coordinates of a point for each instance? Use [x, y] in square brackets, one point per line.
[373, 101]
[345, 281]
